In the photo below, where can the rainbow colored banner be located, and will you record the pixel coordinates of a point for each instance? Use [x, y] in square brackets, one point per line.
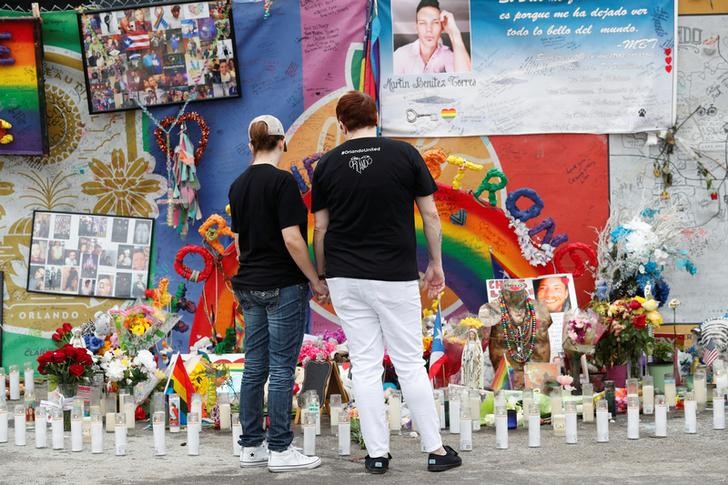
[22, 100]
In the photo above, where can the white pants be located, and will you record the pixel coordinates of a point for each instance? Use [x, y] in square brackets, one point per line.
[375, 313]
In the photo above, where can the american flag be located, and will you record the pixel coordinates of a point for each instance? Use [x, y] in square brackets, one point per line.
[710, 353]
[136, 42]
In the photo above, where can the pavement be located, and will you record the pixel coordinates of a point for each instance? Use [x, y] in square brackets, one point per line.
[679, 457]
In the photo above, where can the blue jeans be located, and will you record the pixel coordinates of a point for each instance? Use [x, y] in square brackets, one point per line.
[274, 322]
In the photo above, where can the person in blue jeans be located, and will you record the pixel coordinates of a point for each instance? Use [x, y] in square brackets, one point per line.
[270, 220]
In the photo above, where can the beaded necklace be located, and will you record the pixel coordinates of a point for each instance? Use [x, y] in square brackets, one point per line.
[516, 338]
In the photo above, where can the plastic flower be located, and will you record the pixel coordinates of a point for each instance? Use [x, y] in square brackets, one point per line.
[115, 371]
[650, 305]
[145, 359]
[655, 318]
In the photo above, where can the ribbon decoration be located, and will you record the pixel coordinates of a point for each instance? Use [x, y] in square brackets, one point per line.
[211, 230]
[182, 169]
[188, 273]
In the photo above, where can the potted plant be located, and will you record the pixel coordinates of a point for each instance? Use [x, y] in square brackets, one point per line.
[662, 355]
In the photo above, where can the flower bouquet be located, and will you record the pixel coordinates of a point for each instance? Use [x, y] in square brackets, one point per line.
[68, 366]
[634, 251]
[628, 335]
[141, 326]
[139, 372]
[582, 330]
[317, 349]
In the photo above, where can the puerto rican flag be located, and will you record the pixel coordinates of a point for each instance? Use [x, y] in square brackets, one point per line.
[133, 42]
[437, 352]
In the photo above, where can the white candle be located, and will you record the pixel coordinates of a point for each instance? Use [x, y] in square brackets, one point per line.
[335, 411]
[193, 434]
[41, 427]
[28, 378]
[3, 423]
[174, 403]
[718, 409]
[660, 416]
[602, 422]
[570, 431]
[129, 409]
[2, 384]
[225, 422]
[534, 431]
[440, 405]
[395, 412]
[701, 389]
[558, 423]
[57, 429]
[309, 439]
[648, 399]
[454, 414]
[501, 431]
[633, 417]
[160, 445]
[120, 431]
[344, 430]
[466, 434]
[691, 408]
[76, 433]
[721, 379]
[110, 422]
[196, 406]
[97, 435]
[20, 425]
[670, 393]
[237, 431]
[14, 383]
[474, 401]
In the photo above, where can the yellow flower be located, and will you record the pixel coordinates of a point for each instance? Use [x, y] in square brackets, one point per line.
[471, 322]
[654, 317]
[640, 299]
[124, 188]
[125, 362]
[650, 305]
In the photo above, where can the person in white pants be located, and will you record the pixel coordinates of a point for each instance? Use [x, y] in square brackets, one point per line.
[363, 197]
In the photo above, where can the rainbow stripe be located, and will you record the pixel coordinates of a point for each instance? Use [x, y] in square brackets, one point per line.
[503, 378]
[21, 101]
[448, 113]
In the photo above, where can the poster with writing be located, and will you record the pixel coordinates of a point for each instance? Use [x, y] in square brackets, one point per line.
[556, 292]
[488, 67]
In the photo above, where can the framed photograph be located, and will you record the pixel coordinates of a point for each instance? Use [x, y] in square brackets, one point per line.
[159, 54]
[90, 254]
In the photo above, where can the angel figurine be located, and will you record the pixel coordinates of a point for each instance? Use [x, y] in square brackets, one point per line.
[472, 361]
[77, 340]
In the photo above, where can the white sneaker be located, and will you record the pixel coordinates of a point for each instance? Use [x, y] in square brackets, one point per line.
[291, 460]
[254, 456]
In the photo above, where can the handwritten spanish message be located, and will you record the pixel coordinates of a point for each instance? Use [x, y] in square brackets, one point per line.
[534, 66]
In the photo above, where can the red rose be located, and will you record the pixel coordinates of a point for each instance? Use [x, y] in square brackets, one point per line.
[59, 356]
[56, 337]
[76, 370]
[635, 305]
[42, 368]
[640, 321]
[44, 358]
[66, 327]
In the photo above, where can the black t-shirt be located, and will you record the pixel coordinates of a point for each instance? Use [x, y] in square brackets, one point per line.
[263, 201]
[369, 186]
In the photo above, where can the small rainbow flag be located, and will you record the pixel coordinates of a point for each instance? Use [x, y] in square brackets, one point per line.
[182, 384]
[448, 113]
[503, 378]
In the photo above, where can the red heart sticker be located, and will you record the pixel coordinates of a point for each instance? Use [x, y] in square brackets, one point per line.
[668, 51]
[668, 60]
[668, 68]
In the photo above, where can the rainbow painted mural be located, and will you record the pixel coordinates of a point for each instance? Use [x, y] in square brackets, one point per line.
[22, 105]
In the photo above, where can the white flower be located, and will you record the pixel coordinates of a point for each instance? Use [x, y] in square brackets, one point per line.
[115, 371]
[145, 359]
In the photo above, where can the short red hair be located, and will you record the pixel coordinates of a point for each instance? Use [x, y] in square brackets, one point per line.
[356, 110]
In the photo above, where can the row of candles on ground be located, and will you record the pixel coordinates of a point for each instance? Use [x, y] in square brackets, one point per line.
[13, 378]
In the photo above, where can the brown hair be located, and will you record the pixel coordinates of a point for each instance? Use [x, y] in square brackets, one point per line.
[260, 139]
[356, 110]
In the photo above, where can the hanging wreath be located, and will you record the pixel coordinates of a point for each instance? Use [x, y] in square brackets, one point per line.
[160, 136]
[187, 272]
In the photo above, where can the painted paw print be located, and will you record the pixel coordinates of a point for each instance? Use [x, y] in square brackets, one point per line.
[5, 137]
[642, 113]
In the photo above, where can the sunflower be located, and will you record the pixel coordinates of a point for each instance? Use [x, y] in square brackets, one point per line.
[124, 188]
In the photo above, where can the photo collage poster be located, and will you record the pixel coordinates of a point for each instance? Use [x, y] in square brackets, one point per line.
[89, 255]
[159, 54]
[556, 291]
